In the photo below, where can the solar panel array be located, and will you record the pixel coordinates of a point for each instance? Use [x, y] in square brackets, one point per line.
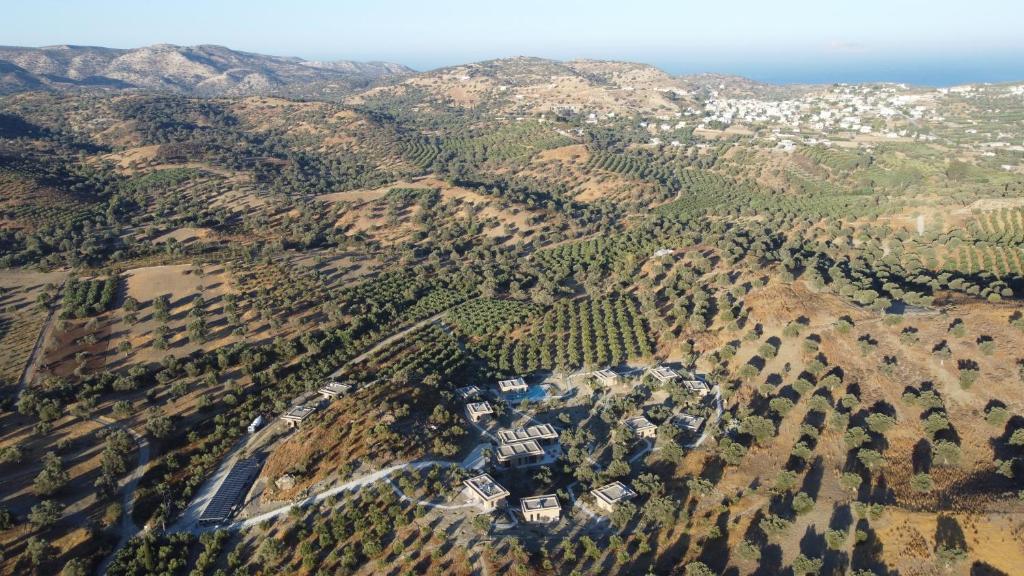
[231, 491]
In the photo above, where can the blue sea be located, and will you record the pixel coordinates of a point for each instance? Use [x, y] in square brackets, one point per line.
[937, 72]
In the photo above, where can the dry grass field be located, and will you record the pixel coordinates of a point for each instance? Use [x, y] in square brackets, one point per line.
[21, 318]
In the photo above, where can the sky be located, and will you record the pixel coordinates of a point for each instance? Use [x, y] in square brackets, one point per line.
[937, 42]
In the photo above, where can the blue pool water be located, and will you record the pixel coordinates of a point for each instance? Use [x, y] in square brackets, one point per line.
[534, 393]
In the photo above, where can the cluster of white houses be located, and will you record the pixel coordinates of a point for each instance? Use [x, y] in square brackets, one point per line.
[478, 410]
[539, 444]
[544, 508]
[665, 375]
[489, 495]
[643, 428]
[660, 374]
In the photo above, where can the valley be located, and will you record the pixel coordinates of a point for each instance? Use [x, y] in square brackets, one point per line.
[516, 316]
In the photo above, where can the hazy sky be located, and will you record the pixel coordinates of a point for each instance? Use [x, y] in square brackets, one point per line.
[778, 40]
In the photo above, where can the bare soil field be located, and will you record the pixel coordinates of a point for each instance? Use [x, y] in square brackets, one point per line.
[184, 235]
[132, 159]
[180, 283]
[994, 539]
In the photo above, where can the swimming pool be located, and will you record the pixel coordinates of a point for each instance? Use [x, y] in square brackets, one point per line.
[534, 393]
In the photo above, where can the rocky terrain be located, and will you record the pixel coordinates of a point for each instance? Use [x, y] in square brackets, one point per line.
[205, 70]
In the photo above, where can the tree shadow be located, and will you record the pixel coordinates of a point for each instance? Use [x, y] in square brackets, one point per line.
[980, 568]
[921, 456]
[867, 554]
[812, 480]
[949, 534]
[771, 561]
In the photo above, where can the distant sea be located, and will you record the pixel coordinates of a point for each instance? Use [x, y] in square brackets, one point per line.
[947, 71]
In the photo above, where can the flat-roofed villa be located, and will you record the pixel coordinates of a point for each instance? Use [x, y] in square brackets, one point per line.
[698, 387]
[297, 414]
[544, 508]
[512, 386]
[468, 392]
[663, 374]
[543, 434]
[518, 454]
[477, 411]
[607, 377]
[332, 390]
[486, 492]
[688, 422]
[642, 427]
[607, 497]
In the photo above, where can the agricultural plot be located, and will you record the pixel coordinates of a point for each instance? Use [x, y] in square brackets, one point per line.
[1000, 261]
[513, 143]
[420, 238]
[22, 313]
[431, 350]
[577, 334]
[164, 318]
[489, 316]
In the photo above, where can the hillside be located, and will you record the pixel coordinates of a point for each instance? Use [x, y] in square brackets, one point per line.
[205, 70]
[518, 86]
[253, 334]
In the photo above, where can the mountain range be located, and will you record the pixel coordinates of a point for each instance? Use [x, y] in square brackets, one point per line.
[205, 70]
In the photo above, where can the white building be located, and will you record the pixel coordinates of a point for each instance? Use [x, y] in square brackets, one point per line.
[607, 497]
[543, 508]
[486, 492]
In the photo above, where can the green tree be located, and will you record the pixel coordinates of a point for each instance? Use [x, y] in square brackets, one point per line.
[45, 514]
[759, 427]
[804, 565]
[52, 478]
[698, 569]
[803, 503]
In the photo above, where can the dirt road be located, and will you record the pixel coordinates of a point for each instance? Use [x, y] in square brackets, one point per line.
[32, 367]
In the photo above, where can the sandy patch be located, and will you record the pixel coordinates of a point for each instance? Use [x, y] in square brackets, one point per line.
[370, 194]
[127, 158]
[184, 235]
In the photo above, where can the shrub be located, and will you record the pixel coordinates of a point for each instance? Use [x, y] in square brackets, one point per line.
[922, 483]
[803, 503]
